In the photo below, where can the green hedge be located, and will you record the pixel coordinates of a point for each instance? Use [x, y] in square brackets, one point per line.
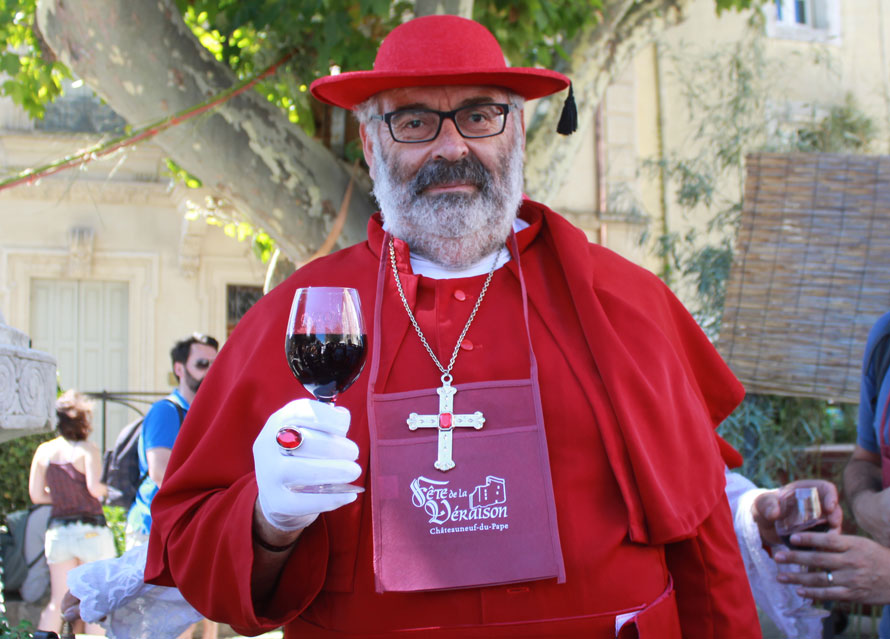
[770, 432]
[24, 630]
[117, 521]
[15, 466]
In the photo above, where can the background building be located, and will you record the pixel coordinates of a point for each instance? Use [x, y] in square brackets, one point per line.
[104, 269]
[100, 265]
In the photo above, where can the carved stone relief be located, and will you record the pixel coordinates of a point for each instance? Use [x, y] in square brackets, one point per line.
[27, 385]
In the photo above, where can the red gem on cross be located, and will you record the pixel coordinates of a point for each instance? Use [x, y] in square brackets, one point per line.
[445, 421]
[289, 438]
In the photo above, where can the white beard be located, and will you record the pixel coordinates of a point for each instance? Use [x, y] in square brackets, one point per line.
[453, 230]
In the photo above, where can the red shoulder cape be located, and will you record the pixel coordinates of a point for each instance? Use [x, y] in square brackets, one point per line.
[666, 387]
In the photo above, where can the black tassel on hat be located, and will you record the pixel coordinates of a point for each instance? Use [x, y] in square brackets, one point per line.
[568, 120]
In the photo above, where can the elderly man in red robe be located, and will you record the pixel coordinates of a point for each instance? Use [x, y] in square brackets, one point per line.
[534, 428]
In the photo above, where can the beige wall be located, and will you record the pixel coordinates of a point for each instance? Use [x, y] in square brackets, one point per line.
[805, 76]
[177, 270]
[645, 113]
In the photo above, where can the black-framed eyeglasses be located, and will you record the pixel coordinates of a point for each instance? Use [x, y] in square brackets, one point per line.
[202, 364]
[412, 126]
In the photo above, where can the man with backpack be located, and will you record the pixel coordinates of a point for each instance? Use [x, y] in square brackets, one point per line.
[191, 358]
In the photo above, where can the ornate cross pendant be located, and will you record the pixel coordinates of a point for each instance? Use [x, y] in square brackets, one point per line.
[445, 421]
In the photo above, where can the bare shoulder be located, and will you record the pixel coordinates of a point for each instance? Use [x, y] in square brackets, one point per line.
[46, 449]
[87, 448]
[90, 445]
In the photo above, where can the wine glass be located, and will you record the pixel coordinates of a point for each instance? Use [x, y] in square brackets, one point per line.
[801, 510]
[326, 345]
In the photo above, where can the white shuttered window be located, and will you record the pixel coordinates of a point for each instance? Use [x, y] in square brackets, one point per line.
[83, 324]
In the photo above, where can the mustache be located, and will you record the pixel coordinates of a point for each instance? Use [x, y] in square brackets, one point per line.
[439, 172]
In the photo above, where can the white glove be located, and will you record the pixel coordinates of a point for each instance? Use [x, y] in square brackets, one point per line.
[325, 456]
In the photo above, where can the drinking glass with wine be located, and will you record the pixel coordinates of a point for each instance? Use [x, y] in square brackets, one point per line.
[326, 345]
[801, 510]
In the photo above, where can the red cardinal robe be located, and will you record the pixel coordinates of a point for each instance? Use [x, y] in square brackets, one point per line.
[631, 390]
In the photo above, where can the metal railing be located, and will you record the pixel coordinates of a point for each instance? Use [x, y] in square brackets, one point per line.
[134, 400]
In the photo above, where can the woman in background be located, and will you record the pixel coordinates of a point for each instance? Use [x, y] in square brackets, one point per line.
[65, 472]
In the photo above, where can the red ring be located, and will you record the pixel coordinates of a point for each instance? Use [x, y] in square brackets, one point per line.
[289, 438]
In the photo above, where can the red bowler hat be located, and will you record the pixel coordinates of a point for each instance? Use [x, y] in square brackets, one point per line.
[435, 51]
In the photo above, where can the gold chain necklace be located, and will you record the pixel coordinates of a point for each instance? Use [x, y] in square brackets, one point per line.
[445, 420]
[446, 372]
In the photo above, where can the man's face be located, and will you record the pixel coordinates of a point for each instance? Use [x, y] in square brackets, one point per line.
[452, 199]
[196, 366]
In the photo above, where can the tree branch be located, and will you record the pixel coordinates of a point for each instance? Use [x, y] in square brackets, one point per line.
[143, 60]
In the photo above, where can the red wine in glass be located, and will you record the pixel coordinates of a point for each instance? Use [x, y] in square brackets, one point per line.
[326, 363]
[817, 525]
[326, 345]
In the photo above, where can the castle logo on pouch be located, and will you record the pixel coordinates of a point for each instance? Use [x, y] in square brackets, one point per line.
[480, 508]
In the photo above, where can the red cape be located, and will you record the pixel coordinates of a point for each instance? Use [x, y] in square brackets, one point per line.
[659, 391]
[662, 377]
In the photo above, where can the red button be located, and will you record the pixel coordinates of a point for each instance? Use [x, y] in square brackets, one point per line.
[459, 295]
[467, 345]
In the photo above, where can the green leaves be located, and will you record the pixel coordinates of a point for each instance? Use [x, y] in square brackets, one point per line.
[846, 129]
[34, 77]
[320, 34]
[10, 64]
[179, 174]
[116, 516]
[248, 35]
[323, 32]
[374, 7]
[771, 431]
[534, 32]
[263, 246]
[15, 466]
[737, 5]
[23, 630]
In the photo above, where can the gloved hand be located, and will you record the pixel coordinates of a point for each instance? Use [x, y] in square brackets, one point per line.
[325, 456]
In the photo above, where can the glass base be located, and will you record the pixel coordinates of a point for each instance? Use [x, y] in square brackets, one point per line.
[325, 489]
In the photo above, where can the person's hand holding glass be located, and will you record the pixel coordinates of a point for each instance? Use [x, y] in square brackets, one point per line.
[801, 511]
[304, 462]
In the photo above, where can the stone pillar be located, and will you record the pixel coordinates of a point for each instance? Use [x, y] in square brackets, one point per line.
[27, 386]
[27, 394]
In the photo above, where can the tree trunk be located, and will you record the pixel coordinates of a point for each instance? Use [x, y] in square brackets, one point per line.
[143, 60]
